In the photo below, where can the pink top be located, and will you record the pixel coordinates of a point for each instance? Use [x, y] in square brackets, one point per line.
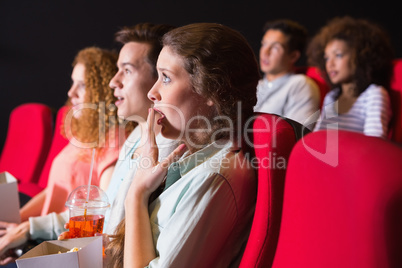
[70, 169]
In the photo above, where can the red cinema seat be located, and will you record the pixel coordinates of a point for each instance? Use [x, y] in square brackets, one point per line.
[396, 102]
[274, 138]
[58, 143]
[315, 74]
[27, 142]
[342, 203]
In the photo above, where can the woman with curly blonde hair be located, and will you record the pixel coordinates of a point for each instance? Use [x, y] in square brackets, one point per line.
[97, 112]
[356, 56]
[90, 122]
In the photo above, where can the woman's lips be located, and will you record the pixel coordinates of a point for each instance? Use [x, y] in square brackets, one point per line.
[162, 116]
[76, 106]
[332, 73]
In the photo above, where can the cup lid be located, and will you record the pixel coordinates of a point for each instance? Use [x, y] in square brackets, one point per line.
[79, 197]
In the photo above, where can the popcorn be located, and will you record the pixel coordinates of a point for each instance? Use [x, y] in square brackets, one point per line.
[74, 249]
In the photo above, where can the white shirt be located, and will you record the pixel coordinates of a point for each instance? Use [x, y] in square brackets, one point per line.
[294, 96]
[370, 114]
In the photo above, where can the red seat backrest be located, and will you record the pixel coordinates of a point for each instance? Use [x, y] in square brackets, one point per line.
[274, 138]
[58, 143]
[27, 142]
[342, 203]
[396, 102]
[315, 74]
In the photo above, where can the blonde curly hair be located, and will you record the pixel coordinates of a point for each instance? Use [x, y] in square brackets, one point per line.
[96, 121]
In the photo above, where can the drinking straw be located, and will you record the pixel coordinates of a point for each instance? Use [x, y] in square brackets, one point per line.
[90, 173]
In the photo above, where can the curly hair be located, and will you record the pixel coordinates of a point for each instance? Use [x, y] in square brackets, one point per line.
[222, 67]
[101, 116]
[372, 52]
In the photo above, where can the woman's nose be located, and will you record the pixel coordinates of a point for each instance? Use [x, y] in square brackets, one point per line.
[153, 94]
[72, 92]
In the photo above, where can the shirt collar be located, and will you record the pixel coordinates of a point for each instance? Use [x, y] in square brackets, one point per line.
[189, 161]
[276, 82]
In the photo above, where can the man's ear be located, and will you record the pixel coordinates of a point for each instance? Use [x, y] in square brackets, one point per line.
[294, 56]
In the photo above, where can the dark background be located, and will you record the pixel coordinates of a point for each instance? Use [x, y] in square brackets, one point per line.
[39, 39]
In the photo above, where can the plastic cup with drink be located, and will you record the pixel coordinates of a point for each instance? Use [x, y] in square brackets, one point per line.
[87, 206]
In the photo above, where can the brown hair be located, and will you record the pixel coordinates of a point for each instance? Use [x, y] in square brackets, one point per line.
[147, 33]
[222, 67]
[297, 34]
[371, 48]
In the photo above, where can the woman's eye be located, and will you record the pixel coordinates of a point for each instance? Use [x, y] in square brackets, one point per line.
[339, 55]
[127, 71]
[165, 79]
[81, 86]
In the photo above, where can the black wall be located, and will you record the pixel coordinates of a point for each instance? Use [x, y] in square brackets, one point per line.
[39, 39]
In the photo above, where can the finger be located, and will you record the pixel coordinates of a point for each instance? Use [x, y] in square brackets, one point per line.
[6, 260]
[4, 224]
[151, 128]
[173, 156]
[64, 235]
[67, 225]
[2, 232]
[151, 140]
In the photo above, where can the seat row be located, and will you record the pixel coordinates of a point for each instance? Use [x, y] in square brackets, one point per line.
[33, 140]
[320, 209]
[337, 202]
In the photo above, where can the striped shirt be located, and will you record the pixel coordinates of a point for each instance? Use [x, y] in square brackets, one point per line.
[370, 114]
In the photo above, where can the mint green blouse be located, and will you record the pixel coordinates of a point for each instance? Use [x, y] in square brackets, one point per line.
[203, 216]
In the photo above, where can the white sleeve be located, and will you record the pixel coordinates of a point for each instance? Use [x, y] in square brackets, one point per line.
[48, 227]
[303, 102]
[378, 113]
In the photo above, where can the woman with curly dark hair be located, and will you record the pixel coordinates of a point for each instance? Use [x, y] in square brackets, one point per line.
[356, 56]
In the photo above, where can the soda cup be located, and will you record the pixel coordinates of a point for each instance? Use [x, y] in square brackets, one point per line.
[87, 208]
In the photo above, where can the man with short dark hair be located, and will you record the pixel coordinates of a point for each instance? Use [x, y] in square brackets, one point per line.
[281, 91]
